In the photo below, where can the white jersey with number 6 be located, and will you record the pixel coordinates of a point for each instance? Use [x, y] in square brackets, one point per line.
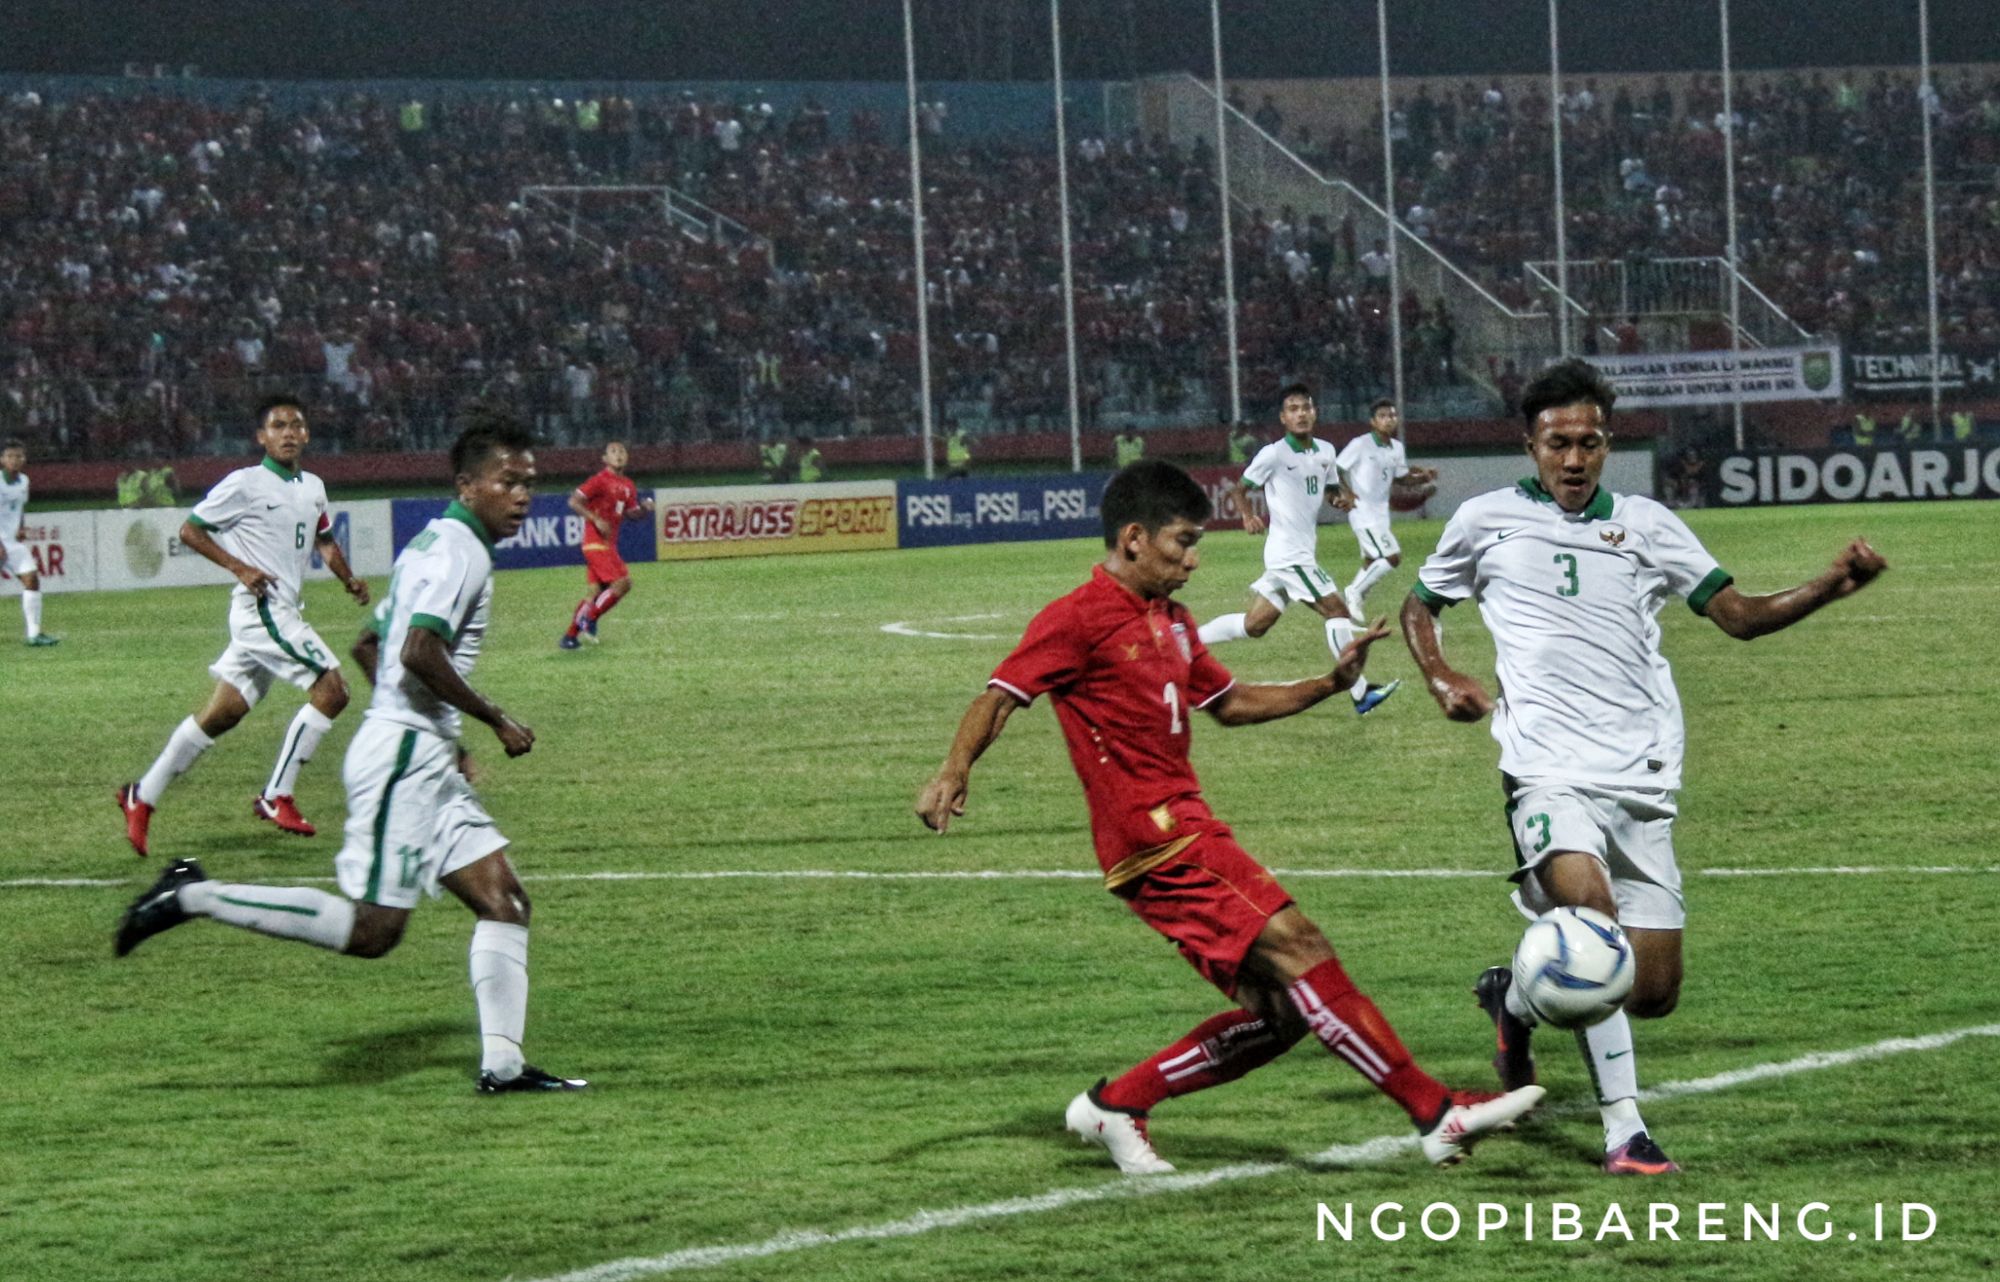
[267, 517]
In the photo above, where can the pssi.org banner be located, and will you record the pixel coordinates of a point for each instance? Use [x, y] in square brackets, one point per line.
[552, 534]
[1000, 509]
[1859, 475]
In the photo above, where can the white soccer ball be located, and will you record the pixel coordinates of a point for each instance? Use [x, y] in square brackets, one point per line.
[1574, 967]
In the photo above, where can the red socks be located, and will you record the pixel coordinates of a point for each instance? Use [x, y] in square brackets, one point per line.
[1350, 1026]
[1221, 1049]
[591, 608]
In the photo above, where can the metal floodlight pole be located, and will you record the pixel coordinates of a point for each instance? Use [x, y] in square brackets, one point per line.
[1729, 216]
[1926, 97]
[1562, 215]
[917, 239]
[1389, 203]
[1068, 271]
[1222, 190]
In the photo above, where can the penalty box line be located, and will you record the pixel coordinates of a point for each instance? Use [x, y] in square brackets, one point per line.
[1038, 874]
[1369, 1152]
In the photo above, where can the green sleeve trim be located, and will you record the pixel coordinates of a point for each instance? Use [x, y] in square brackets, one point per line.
[200, 524]
[1717, 579]
[1249, 484]
[431, 623]
[1430, 598]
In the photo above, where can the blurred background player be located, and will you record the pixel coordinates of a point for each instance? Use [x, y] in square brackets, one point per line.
[1570, 579]
[1369, 469]
[262, 524]
[1122, 663]
[602, 502]
[413, 822]
[14, 551]
[1297, 475]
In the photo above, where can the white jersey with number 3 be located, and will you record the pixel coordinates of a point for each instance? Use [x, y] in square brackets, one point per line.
[1295, 481]
[269, 518]
[1573, 604]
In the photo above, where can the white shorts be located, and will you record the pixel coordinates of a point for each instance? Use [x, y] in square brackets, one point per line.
[1627, 830]
[412, 818]
[19, 558]
[1303, 583]
[1377, 540]
[269, 640]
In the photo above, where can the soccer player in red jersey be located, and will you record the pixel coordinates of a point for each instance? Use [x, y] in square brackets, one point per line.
[1123, 664]
[603, 502]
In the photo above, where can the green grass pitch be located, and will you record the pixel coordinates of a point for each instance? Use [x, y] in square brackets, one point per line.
[781, 1054]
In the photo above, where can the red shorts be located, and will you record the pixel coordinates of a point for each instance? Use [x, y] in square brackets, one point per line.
[605, 565]
[1213, 901]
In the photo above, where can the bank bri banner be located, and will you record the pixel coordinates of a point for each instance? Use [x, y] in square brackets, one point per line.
[552, 534]
[999, 509]
[1858, 475]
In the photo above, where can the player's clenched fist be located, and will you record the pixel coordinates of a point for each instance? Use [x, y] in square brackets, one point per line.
[942, 798]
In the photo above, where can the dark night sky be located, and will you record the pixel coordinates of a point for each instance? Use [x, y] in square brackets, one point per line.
[862, 39]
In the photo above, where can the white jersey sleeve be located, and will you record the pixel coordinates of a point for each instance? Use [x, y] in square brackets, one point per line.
[1689, 570]
[222, 507]
[1402, 465]
[1263, 467]
[1448, 576]
[442, 589]
[1350, 456]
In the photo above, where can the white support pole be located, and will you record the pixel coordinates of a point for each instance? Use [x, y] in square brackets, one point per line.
[1389, 203]
[1228, 233]
[1729, 215]
[1926, 100]
[1562, 214]
[1068, 271]
[917, 240]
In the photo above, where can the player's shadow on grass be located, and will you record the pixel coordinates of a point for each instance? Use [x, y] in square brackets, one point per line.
[1046, 1126]
[382, 1057]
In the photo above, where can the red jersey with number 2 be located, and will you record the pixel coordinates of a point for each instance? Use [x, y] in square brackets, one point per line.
[1125, 675]
[608, 496]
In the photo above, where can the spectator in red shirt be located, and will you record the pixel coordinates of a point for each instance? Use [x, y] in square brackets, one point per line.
[1126, 669]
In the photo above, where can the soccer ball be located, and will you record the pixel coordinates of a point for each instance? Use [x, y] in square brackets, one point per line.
[1574, 967]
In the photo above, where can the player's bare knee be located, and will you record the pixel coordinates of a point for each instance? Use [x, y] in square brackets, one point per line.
[1395, 559]
[377, 931]
[1291, 945]
[620, 588]
[1653, 1003]
[329, 694]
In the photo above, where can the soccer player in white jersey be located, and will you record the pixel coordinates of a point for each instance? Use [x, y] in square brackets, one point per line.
[1297, 475]
[1369, 467]
[1570, 579]
[262, 524]
[14, 552]
[413, 822]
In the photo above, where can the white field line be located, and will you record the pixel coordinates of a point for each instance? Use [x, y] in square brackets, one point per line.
[1038, 874]
[1369, 1152]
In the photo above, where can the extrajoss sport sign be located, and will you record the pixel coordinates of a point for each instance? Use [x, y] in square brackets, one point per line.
[1000, 509]
[1858, 475]
[765, 520]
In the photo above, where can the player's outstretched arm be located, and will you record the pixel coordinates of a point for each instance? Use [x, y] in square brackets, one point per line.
[944, 796]
[197, 540]
[1746, 617]
[1461, 696]
[1246, 704]
[1252, 523]
[426, 658]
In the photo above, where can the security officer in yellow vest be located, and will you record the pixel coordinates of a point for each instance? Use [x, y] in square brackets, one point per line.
[1864, 430]
[1242, 444]
[957, 452]
[1961, 425]
[1131, 447]
[772, 456]
[810, 468]
[1910, 430]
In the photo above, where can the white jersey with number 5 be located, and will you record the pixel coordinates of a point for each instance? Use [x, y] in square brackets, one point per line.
[1372, 466]
[1573, 604]
[1294, 480]
[443, 583]
[267, 517]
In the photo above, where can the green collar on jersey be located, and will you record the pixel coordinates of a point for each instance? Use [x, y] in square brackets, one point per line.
[1379, 438]
[459, 512]
[1598, 509]
[1297, 448]
[289, 473]
[10, 477]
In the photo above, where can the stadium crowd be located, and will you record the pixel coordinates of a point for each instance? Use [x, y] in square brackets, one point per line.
[166, 259]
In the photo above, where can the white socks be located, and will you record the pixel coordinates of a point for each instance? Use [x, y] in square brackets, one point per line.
[1339, 634]
[183, 749]
[1374, 573]
[287, 912]
[499, 966]
[1607, 1051]
[1223, 627]
[308, 728]
[31, 612]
